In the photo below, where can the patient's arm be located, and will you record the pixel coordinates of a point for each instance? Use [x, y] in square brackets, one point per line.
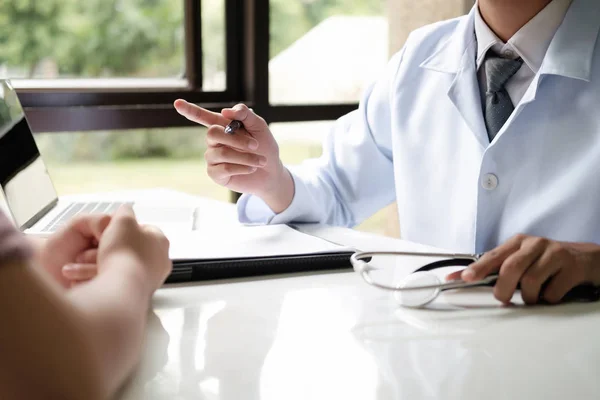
[76, 347]
[79, 343]
[46, 347]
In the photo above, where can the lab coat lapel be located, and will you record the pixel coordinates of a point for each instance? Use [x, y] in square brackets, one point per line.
[457, 56]
[528, 97]
[466, 96]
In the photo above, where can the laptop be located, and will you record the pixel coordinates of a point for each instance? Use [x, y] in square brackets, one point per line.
[27, 193]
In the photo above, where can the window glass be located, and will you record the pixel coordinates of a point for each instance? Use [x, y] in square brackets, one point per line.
[91, 38]
[88, 162]
[213, 45]
[325, 51]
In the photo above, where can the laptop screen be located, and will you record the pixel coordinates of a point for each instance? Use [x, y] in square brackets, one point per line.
[27, 187]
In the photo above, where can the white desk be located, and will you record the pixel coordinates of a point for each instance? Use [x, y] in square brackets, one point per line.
[331, 336]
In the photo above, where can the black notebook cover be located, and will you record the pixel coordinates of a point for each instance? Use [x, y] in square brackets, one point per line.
[253, 251]
[200, 270]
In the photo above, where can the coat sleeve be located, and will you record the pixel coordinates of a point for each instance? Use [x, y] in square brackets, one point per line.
[354, 178]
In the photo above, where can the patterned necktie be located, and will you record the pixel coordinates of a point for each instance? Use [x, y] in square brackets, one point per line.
[498, 105]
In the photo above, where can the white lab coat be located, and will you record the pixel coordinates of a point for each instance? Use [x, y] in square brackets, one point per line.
[419, 138]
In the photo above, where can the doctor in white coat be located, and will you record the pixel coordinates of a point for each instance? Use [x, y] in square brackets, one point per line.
[486, 131]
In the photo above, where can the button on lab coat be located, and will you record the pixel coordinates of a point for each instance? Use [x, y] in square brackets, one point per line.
[419, 138]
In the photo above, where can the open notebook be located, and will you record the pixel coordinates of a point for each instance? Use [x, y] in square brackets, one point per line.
[242, 251]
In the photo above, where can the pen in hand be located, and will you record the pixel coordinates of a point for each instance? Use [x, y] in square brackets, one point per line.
[232, 127]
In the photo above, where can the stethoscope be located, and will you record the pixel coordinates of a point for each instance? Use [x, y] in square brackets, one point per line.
[422, 286]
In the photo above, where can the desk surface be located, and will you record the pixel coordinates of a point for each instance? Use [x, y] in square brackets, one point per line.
[331, 336]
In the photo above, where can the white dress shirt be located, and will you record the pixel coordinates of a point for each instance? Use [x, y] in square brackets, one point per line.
[530, 43]
[419, 138]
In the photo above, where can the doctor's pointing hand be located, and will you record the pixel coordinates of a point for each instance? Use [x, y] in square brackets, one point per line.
[247, 161]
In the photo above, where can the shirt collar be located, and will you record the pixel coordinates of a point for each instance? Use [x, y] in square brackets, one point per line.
[571, 52]
[486, 38]
[531, 41]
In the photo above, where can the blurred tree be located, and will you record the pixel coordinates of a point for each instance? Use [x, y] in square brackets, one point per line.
[137, 38]
[93, 38]
[140, 37]
[29, 31]
[125, 38]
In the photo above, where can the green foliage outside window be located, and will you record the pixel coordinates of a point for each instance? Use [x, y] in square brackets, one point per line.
[134, 38]
[92, 38]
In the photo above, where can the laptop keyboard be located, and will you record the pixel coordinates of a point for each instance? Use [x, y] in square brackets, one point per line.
[82, 208]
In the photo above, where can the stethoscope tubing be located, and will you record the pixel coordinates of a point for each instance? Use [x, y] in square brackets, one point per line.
[585, 292]
[364, 268]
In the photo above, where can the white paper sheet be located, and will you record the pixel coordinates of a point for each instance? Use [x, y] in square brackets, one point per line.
[246, 241]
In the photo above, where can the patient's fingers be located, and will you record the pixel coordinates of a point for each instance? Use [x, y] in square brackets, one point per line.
[80, 272]
[87, 257]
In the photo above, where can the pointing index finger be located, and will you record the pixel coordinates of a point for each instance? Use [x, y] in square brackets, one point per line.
[198, 114]
[91, 226]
